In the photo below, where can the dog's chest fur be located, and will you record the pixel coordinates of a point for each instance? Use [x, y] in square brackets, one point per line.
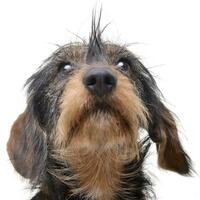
[97, 159]
[98, 174]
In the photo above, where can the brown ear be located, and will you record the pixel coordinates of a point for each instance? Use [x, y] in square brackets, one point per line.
[162, 126]
[171, 155]
[27, 147]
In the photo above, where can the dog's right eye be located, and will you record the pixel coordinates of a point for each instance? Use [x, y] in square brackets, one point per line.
[65, 66]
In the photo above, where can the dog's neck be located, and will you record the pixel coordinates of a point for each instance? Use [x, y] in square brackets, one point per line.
[97, 153]
[99, 175]
[124, 183]
[104, 160]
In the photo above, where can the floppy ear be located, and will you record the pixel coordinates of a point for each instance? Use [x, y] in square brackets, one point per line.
[162, 126]
[163, 131]
[27, 147]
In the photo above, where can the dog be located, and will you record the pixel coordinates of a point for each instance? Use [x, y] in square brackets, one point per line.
[79, 136]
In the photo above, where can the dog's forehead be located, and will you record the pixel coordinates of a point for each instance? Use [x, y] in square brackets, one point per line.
[77, 52]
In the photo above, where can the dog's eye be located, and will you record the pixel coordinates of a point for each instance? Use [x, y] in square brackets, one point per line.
[65, 66]
[123, 65]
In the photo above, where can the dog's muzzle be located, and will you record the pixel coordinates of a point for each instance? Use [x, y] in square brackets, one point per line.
[99, 81]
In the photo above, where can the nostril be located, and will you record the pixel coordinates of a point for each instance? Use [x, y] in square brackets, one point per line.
[90, 81]
[110, 80]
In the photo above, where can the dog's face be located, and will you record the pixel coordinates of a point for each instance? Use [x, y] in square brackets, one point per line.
[89, 98]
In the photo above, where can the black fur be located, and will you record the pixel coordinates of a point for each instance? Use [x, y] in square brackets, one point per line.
[137, 186]
[96, 52]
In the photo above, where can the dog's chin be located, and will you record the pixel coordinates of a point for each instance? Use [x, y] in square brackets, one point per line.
[103, 117]
[101, 127]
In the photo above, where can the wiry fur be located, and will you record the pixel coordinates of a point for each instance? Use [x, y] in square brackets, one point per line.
[96, 51]
[101, 137]
[74, 145]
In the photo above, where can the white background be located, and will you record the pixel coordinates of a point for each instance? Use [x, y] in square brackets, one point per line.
[167, 34]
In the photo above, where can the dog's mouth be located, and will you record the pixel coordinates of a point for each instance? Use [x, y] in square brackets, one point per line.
[101, 109]
[101, 113]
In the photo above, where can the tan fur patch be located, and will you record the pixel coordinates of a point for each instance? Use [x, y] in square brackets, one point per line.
[97, 143]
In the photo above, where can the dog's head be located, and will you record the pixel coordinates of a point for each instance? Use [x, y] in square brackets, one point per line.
[93, 96]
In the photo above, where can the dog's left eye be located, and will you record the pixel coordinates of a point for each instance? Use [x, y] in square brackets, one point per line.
[123, 65]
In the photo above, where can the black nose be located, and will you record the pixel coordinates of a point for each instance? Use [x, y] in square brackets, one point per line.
[99, 81]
